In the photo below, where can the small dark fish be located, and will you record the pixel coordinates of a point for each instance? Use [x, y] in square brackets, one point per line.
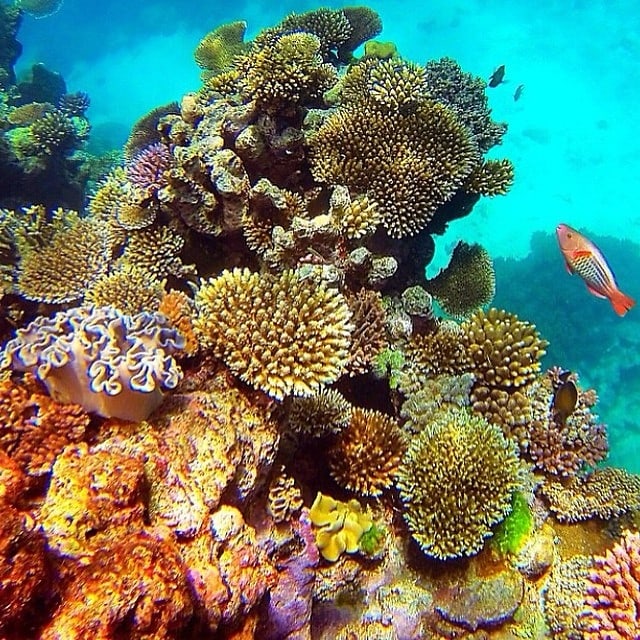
[565, 399]
[497, 77]
[518, 92]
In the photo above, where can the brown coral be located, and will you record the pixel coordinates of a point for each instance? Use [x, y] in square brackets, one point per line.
[605, 493]
[62, 270]
[34, 428]
[456, 481]
[467, 283]
[145, 130]
[505, 351]
[408, 163]
[491, 178]
[179, 309]
[369, 336]
[613, 593]
[284, 499]
[327, 412]
[281, 334]
[366, 455]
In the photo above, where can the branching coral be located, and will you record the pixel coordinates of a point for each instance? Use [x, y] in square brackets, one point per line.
[491, 178]
[107, 362]
[613, 592]
[341, 525]
[467, 283]
[456, 481]
[61, 270]
[327, 412]
[505, 351]
[369, 336]
[408, 163]
[605, 493]
[145, 130]
[465, 95]
[34, 428]
[366, 455]
[281, 334]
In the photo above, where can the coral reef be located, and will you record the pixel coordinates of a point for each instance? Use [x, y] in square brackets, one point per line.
[291, 342]
[327, 412]
[366, 455]
[456, 464]
[107, 362]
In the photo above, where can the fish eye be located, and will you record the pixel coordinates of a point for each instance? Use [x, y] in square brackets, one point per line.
[569, 235]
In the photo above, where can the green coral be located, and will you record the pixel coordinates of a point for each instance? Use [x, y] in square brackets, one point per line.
[388, 364]
[380, 50]
[372, 540]
[512, 532]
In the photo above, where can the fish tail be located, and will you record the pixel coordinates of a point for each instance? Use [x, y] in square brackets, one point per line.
[621, 302]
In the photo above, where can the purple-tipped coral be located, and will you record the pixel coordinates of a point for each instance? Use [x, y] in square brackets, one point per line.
[146, 170]
[108, 362]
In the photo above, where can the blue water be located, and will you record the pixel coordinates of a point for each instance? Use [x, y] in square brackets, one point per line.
[573, 135]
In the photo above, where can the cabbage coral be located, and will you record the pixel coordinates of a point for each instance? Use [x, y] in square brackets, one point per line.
[366, 455]
[282, 334]
[107, 362]
[456, 482]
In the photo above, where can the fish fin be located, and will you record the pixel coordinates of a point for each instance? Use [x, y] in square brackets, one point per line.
[597, 293]
[569, 268]
[621, 302]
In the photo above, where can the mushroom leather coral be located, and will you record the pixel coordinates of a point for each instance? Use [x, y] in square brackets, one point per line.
[107, 362]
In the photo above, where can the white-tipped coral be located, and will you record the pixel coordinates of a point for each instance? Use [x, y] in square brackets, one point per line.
[110, 363]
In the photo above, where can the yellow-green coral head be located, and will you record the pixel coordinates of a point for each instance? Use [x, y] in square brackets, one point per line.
[341, 525]
[111, 364]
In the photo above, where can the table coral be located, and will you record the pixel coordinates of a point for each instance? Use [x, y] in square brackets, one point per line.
[456, 481]
[107, 362]
[365, 456]
[281, 334]
[340, 525]
[134, 587]
[34, 428]
[613, 592]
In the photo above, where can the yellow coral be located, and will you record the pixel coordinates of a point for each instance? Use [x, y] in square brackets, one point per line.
[218, 49]
[341, 525]
[491, 178]
[282, 334]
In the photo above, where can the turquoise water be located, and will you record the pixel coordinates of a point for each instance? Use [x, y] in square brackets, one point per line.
[572, 137]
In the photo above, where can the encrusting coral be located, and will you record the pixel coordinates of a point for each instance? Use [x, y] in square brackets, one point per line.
[612, 598]
[282, 334]
[366, 455]
[109, 363]
[341, 525]
[456, 481]
[467, 283]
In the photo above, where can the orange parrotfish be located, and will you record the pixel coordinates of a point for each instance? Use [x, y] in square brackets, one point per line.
[585, 259]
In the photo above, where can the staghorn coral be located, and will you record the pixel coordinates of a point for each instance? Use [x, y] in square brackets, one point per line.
[613, 592]
[408, 163]
[491, 178]
[179, 310]
[129, 289]
[465, 95]
[369, 337]
[107, 362]
[94, 496]
[605, 493]
[340, 525]
[134, 587]
[34, 429]
[281, 334]
[564, 597]
[467, 283]
[217, 51]
[284, 499]
[325, 413]
[61, 270]
[456, 481]
[365, 456]
[287, 72]
[74, 105]
[505, 352]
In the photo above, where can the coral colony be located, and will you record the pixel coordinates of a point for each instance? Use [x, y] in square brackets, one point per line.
[229, 405]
